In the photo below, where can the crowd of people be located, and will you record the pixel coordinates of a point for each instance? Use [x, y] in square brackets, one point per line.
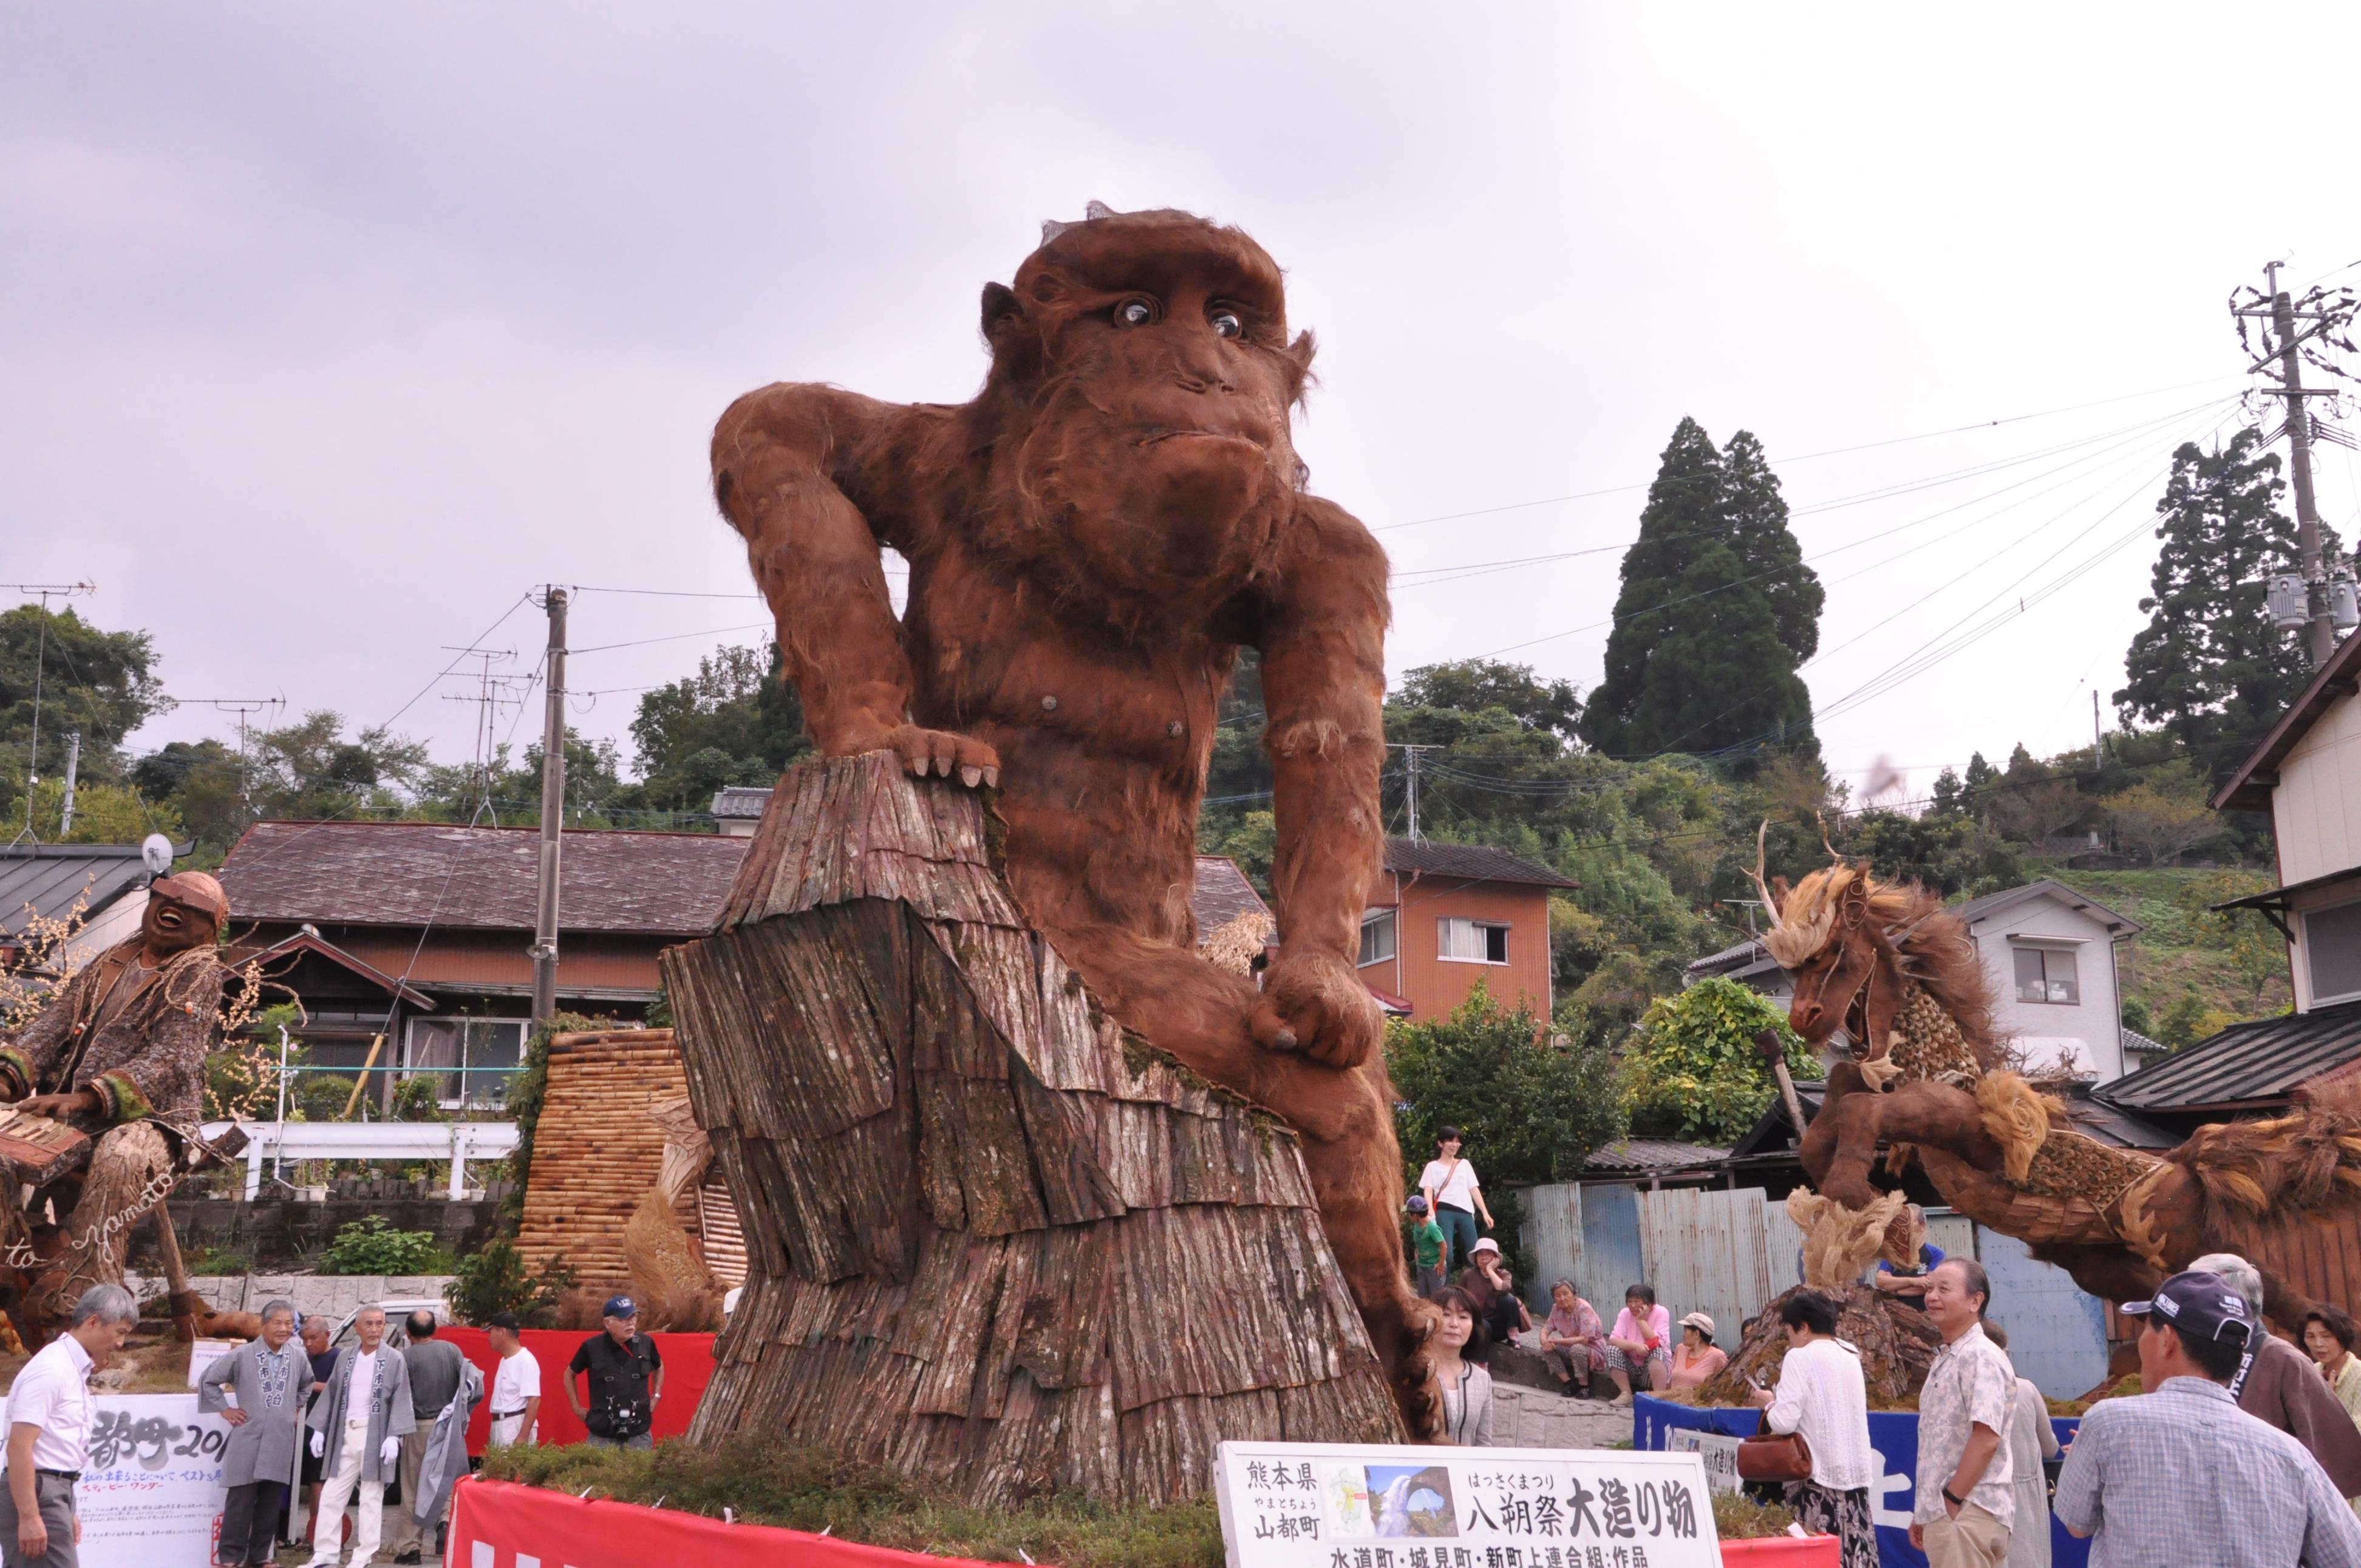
[341, 1424]
[2243, 1450]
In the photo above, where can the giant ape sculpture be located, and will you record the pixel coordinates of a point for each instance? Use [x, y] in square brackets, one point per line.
[1091, 540]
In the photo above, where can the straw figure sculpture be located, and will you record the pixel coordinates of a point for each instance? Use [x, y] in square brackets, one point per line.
[1921, 1069]
[1091, 540]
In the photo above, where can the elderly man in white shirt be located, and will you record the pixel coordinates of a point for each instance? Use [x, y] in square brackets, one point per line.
[48, 1431]
[357, 1426]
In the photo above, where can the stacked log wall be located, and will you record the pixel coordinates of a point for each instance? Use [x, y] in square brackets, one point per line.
[596, 1151]
[991, 1239]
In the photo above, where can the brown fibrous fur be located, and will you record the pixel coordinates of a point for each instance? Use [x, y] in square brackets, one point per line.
[1092, 539]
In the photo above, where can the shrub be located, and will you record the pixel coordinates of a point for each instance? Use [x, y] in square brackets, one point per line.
[371, 1246]
[418, 1099]
[1693, 1070]
[494, 1279]
[324, 1097]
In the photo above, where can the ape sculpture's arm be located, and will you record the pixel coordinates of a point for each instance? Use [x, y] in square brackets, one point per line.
[1323, 686]
[781, 457]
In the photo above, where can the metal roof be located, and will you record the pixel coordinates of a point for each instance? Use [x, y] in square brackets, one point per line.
[2113, 1124]
[2262, 1060]
[2250, 788]
[1475, 863]
[1653, 1153]
[47, 880]
[1993, 904]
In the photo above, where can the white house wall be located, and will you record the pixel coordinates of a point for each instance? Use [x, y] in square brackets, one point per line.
[2096, 1020]
[117, 922]
[2316, 809]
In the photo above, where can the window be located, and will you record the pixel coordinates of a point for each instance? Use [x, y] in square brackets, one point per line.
[2332, 951]
[1472, 941]
[1377, 936]
[473, 1058]
[2046, 975]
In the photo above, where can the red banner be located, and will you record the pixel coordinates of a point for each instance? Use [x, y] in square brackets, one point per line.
[496, 1524]
[687, 1368]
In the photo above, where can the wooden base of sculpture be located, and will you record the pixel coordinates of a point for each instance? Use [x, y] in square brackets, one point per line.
[993, 1240]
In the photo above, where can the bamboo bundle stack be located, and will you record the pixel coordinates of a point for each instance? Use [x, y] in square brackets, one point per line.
[990, 1238]
[597, 1149]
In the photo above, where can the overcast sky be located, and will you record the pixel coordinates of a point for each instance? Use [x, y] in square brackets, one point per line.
[326, 335]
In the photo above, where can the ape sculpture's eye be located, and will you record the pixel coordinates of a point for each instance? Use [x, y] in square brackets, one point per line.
[1134, 312]
[1226, 323]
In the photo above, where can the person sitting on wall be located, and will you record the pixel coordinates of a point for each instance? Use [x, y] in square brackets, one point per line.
[1908, 1285]
[1573, 1340]
[1696, 1358]
[1489, 1285]
[1639, 1352]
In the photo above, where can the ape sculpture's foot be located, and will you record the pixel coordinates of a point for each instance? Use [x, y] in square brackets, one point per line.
[1313, 1002]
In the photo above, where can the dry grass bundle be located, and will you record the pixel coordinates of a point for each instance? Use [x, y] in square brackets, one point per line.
[1838, 1243]
[2017, 1119]
[1234, 946]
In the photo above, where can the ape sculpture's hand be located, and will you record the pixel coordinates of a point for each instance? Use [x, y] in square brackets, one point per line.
[1313, 1002]
[943, 753]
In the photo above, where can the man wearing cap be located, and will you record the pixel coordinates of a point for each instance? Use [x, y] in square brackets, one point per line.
[2180, 1474]
[625, 1376]
[119, 1054]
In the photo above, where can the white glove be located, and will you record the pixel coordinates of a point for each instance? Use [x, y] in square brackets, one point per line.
[319, 1444]
[390, 1452]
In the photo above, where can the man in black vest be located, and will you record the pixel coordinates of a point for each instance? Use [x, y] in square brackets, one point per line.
[625, 1376]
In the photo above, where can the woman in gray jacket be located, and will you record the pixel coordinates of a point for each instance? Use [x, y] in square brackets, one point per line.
[1467, 1387]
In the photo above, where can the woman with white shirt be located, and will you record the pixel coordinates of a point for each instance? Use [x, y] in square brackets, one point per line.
[1466, 1386]
[1455, 1200]
[1821, 1394]
[2032, 1438]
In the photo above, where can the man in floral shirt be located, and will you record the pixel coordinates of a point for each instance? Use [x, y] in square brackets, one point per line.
[119, 1053]
[1965, 1506]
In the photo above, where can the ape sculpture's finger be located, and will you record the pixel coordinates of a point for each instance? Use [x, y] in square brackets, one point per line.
[1284, 1039]
[991, 778]
[970, 776]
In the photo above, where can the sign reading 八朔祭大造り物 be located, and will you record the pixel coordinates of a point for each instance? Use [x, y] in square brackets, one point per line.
[1322, 1504]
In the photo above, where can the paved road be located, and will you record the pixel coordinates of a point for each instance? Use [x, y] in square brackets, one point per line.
[1529, 1418]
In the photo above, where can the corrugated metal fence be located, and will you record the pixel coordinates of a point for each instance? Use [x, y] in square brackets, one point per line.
[1727, 1252]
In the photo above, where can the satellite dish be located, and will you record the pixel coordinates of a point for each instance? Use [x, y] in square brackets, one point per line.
[156, 854]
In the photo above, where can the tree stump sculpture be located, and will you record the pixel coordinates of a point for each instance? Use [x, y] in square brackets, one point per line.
[992, 1239]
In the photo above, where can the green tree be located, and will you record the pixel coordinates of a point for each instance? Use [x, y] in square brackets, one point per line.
[1479, 686]
[311, 769]
[2208, 664]
[512, 788]
[1949, 851]
[102, 684]
[1693, 1070]
[1715, 611]
[201, 782]
[1532, 1109]
[2164, 816]
[733, 722]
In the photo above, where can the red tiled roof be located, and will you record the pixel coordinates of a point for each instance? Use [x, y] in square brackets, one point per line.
[415, 873]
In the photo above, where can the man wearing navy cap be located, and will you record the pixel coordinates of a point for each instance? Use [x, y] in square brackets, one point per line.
[625, 1376]
[2180, 1474]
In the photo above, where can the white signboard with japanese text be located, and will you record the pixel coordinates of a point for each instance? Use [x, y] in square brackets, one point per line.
[205, 1351]
[1719, 1451]
[152, 1496]
[1318, 1504]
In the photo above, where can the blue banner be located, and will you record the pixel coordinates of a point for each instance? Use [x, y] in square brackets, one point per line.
[1893, 1433]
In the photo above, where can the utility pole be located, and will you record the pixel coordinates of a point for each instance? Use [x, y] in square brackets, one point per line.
[2330, 316]
[73, 769]
[1410, 757]
[41, 659]
[2098, 736]
[553, 817]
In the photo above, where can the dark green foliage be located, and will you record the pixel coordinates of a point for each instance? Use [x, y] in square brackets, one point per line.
[508, 793]
[371, 1246]
[1716, 612]
[1487, 685]
[733, 722]
[418, 1099]
[1693, 1071]
[493, 1279]
[1532, 1108]
[2135, 1018]
[2208, 667]
[1949, 851]
[102, 684]
[763, 1480]
[200, 781]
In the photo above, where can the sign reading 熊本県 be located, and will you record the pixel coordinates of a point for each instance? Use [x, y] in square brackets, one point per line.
[1320, 1505]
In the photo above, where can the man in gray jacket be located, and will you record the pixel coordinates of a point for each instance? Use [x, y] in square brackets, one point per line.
[357, 1425]
[435, 1367]
[258, 1389]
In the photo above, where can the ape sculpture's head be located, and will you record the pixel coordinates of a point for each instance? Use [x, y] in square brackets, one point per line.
[1142, 377]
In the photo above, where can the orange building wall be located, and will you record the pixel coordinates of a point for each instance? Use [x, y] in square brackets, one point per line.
[1433, 985]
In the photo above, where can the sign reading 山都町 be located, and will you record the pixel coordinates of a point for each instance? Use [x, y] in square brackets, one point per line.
[1318, 1504]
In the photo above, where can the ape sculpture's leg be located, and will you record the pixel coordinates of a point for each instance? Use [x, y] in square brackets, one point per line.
[1180, 1003]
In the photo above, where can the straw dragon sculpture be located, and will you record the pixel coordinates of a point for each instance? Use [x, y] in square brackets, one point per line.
[1924, 1071]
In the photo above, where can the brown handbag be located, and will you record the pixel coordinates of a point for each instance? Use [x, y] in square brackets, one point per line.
[1769, 1457]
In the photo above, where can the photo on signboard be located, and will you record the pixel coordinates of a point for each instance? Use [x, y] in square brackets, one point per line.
[1412, 1500]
